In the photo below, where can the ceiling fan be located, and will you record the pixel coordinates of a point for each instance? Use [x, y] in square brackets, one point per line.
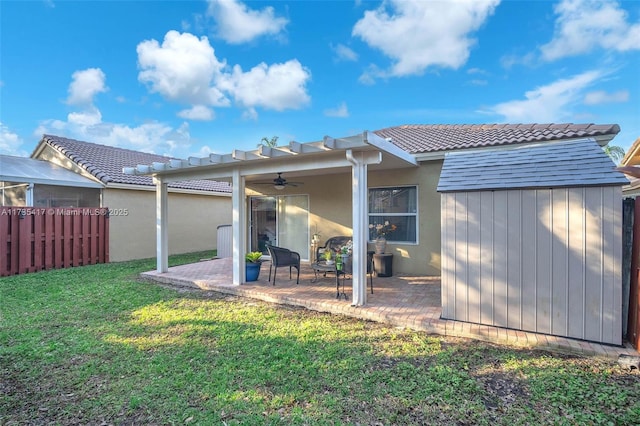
[279, 182]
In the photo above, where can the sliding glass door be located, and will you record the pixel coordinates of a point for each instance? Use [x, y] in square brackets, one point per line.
[281, 221]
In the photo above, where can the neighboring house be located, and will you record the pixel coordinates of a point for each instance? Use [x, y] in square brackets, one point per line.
[631, 162]
[28, 182]
[196, 207]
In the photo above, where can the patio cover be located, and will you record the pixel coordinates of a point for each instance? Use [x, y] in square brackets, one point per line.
[328, 156]
[27, 170]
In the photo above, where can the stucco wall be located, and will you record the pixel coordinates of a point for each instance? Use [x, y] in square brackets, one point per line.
[424, 257]
[193, 220]
[331, 214]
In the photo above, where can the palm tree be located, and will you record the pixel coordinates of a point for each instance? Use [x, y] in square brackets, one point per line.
[614, 152]
[271, 143]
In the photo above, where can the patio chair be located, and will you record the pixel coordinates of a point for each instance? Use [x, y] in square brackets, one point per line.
[332, 244]
[335, 243]
[281, 256]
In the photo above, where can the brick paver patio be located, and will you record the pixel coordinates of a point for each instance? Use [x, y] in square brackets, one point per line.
[407, 301]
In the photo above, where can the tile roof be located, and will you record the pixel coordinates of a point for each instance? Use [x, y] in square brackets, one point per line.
[106, 163]
[562, 164]
[425, 138]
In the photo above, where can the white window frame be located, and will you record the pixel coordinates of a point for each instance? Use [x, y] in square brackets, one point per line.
[416, 214]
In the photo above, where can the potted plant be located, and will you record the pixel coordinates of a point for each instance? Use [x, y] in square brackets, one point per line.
[381, 231]
[253, 262]
[327, 257]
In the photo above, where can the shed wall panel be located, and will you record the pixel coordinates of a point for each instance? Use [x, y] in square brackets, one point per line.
[529, 270]
[593, 260]
[447, 225]
[500, 250]
[542, 260]
[486, 258]
[473, 256]
[559, 250]
[461, 253]
[576, 265]
[514, 259]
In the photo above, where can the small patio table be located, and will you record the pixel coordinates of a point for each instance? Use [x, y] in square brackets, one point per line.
[322, 266]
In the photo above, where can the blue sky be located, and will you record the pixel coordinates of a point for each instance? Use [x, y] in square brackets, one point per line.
[184, 78]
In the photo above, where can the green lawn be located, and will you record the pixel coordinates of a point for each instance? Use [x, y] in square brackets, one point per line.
[94, 344]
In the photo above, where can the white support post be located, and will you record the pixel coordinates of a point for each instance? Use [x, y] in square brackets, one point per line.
[239, 224]
[162, 225]
[360, 209]
[29, 195]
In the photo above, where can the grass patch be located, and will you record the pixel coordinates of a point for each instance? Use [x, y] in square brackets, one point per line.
[95, 344]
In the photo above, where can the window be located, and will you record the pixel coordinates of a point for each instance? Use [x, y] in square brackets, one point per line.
[399, 207]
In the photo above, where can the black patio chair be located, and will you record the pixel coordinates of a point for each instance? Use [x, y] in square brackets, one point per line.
[283, 257]
[334, 243]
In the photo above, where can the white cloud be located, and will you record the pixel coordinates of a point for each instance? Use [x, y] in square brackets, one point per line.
[85, 85]
[602, 97]
[584, 25]
[182, 69]
[419, 34]
[86, 124]
[197, 112]
[185, 69]
[340, 111]
[236, 23]
[344, 53]
[10, 142]
[89, 117]
[508, 61]
[477, 71]
[250, 114]
[277, 86]
[550, 103]
[152, 136]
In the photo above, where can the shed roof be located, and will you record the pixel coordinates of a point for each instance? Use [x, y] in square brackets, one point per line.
[28, 170]
[562, 164]
[106, 163]
[429, 138]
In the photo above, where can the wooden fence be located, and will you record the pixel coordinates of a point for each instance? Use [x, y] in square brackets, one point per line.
[633, 308]
[34, 239]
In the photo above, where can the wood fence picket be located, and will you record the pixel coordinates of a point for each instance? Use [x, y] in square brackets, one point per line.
[34, 239]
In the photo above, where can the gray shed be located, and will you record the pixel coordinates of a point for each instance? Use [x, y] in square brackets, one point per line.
[532, 239]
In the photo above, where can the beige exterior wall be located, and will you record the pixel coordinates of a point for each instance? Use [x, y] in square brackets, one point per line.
[193, 218]
[331, 214]
[193, 222]
[547, 260]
